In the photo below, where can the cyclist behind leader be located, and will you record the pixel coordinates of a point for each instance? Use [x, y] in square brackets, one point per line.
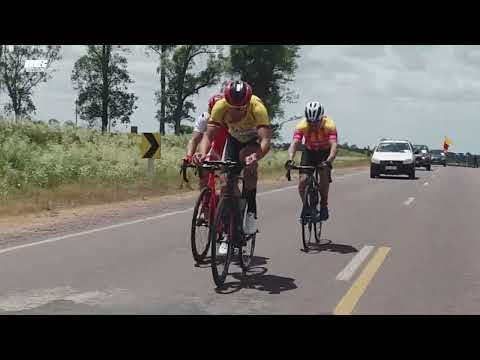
[248, 140]
[320, 135]
[216, 149]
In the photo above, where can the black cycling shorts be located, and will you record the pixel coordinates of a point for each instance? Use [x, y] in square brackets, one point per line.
[313, 158]
[233, 148]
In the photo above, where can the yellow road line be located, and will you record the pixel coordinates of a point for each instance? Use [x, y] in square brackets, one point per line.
[350, 299]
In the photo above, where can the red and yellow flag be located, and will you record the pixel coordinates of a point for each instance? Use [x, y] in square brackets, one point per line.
[446, 143]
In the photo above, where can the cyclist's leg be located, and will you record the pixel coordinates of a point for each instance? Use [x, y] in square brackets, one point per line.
[250, 175]
[308, 159]
[325, 179]
[231, 153]
[250, 178]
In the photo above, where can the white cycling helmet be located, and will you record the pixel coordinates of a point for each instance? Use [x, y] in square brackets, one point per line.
[314, 111]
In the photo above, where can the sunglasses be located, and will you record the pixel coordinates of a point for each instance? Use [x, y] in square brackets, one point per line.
[239, 108]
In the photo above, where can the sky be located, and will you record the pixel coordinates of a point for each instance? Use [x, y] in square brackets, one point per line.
[416, 92]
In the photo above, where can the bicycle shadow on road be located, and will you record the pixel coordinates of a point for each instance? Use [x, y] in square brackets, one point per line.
[256, 261]
[258, 279]
[328, 245]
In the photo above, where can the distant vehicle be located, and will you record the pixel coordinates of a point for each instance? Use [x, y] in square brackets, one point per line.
[460, 158]
[393, 157]
[422, 156]
[438, 157]
[451, 157]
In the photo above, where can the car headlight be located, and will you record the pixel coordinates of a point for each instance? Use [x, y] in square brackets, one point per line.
[408, 161]
[375, 161]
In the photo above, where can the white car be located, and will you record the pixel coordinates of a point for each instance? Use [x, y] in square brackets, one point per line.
[393, 157]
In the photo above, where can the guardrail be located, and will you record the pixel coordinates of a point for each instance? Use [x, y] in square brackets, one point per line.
[462, 164]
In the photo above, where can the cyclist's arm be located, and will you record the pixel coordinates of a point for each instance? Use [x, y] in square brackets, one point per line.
[333, 150]
[210, 134]
[292, 150]
[332, 139]
[265, 134]
[296, 141]
[193, 142]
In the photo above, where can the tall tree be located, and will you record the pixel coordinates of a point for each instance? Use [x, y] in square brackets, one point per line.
[269, 69]
[1, 79]
[102, 79]
[20, 83]
[163, 51]
[185, 79]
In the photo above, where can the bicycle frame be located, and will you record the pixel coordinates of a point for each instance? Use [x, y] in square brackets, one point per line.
[229, 192]
[213, 198]
[213, 202]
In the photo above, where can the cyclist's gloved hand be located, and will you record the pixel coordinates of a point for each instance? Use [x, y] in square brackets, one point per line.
[198, 158]
[187, 159]
[327, 164]
[288, 163]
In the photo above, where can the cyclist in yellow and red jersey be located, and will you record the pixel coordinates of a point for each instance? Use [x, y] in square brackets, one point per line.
[250, 134]
[320, 134]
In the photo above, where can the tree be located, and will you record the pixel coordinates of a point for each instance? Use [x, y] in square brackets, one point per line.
[164, 52]
[102, 79]
[269, 69]
[1, 53]
[69, 123]
[17, 81]
[186, 129]
[53, 122]
[183, 82]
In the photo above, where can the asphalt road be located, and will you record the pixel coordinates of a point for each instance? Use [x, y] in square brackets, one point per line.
[392, 246]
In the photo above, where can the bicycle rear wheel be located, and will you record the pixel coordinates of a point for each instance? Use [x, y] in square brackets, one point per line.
[199, 238]
[222, 231]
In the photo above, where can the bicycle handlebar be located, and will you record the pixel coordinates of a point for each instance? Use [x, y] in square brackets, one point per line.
[209, 165]
[301, 167]
[222, 163]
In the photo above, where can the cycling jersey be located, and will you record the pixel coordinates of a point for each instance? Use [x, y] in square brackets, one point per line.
[319, 138]
[201, 123]
[246, 129]
[219, 142]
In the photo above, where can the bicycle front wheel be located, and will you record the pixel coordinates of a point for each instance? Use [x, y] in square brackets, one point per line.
[222, 233]
[199, 237]
[309, 227]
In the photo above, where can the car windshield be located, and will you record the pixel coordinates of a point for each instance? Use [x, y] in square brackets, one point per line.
[393, 147]
[420, 147]
[436, 152]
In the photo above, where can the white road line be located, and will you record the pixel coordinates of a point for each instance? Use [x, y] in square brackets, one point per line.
[425, 184]
[55, 239]
[409, 201]
[355, 263]
[156, 217]
[278, 190]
